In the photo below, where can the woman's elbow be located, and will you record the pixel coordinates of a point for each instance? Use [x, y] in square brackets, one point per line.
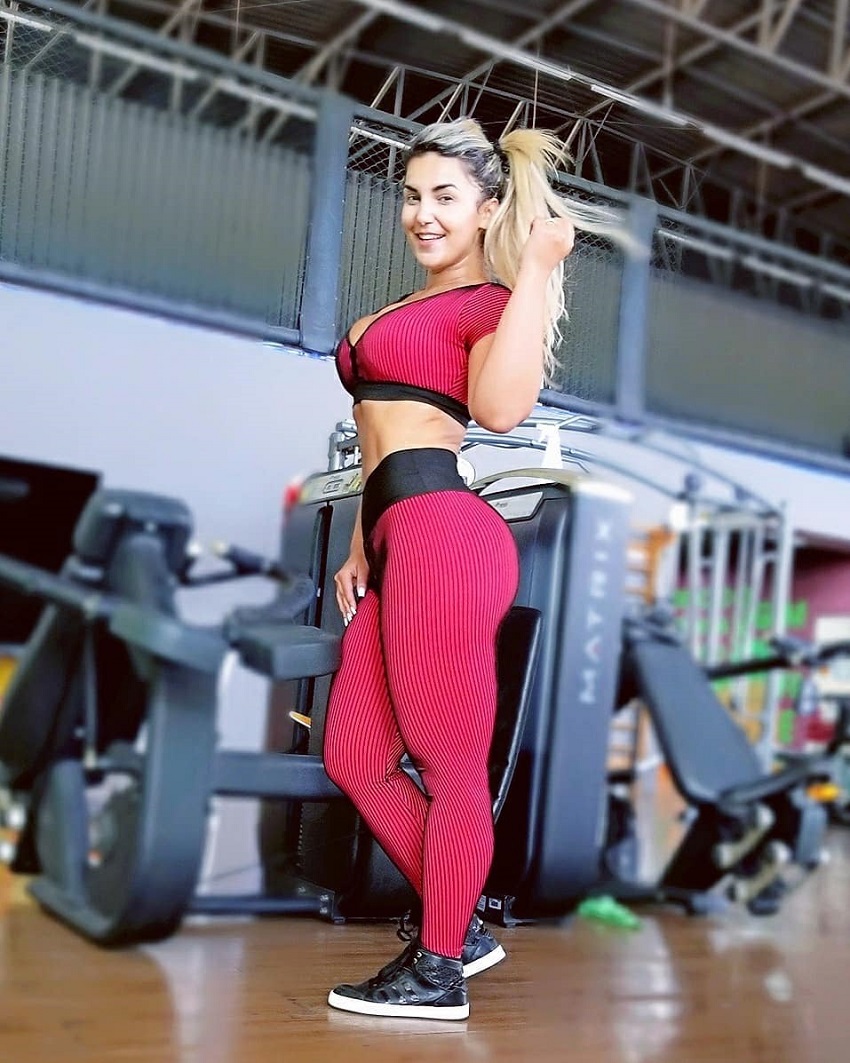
[502, 419]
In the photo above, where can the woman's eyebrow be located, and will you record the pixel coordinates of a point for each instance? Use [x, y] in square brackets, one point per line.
[436, 188]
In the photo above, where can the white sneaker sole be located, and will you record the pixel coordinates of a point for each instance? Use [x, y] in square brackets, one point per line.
[484, 963]
[398, 1011]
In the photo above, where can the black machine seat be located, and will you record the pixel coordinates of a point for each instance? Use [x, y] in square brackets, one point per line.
[286, 651]
[281, 776]
[706, 751]
[776, 782]
[708, 754]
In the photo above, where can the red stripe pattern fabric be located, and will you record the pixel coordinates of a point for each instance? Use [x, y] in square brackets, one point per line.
[426, 342]
[418, 674]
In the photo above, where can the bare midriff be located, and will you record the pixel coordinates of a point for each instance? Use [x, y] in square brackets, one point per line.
[386, 427]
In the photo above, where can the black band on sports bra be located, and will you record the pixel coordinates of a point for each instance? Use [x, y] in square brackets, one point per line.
[388, 390]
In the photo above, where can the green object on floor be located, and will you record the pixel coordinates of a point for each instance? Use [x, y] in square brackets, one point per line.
[606, 910]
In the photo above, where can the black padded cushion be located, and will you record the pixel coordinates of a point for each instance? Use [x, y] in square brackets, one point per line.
[517, 649]
[286, 651]
[111, 514]
[706, 751]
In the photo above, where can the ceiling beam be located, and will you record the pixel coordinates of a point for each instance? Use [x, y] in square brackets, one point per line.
[681, 62]
[251, 41]
[742, 44]
[839, 59]
[308, 73]
[171, 23]
[774, 116]
[768, 125]
[529, 36]
[759, 128]
[808, 199]
[775, 34]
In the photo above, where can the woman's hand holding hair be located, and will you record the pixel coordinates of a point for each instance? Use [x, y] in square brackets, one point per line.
[350, 582]
[549, 242]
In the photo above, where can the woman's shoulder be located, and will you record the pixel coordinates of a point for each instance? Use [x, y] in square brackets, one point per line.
[490, 294]
[481, 312]
[491, 289]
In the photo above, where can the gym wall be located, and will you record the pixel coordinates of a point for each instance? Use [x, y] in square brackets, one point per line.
[226, 422]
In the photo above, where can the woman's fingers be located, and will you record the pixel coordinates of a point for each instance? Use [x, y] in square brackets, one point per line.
[345, 594]
[551, 239]
[350, 582]
[341, 601]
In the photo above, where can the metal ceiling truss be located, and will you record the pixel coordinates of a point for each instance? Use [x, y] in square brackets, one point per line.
[768, 25]
[684, 63]
[759, 35]
[770, 22]
[175, 21]
[765, 46]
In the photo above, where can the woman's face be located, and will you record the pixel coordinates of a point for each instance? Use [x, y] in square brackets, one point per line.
[444, 212]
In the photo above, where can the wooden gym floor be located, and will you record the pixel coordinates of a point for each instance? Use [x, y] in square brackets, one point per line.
[678, 990]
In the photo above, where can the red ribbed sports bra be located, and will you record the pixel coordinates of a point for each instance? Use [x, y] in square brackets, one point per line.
[420, 350]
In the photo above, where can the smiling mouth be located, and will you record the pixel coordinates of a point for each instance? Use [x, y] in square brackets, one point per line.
[428, 238]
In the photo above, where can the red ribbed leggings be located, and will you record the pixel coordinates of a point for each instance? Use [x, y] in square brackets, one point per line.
[418, 675]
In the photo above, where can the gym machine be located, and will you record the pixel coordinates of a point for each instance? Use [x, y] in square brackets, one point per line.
[748, 828]
[567, 829]
[571, 534]
[108, 727]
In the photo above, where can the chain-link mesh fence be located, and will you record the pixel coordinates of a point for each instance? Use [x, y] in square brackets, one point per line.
[738, 340]
[141, 172]
[587, 355]
[377, 265]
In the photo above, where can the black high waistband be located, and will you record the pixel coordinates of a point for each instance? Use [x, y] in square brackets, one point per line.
[387, 390]
[405, 474]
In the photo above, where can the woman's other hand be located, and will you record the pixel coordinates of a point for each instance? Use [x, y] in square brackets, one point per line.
[350, 582]
[550, 241]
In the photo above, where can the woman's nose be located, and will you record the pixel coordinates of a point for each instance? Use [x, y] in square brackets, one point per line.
[424, 212]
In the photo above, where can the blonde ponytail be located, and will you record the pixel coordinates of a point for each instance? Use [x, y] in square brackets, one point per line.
[531, 155]
[518, 171]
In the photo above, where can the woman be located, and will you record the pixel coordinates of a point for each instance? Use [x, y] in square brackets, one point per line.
[433, 568]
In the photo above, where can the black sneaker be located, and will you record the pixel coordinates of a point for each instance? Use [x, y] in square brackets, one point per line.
[426, 986]
[406, 931]
[481, 951]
